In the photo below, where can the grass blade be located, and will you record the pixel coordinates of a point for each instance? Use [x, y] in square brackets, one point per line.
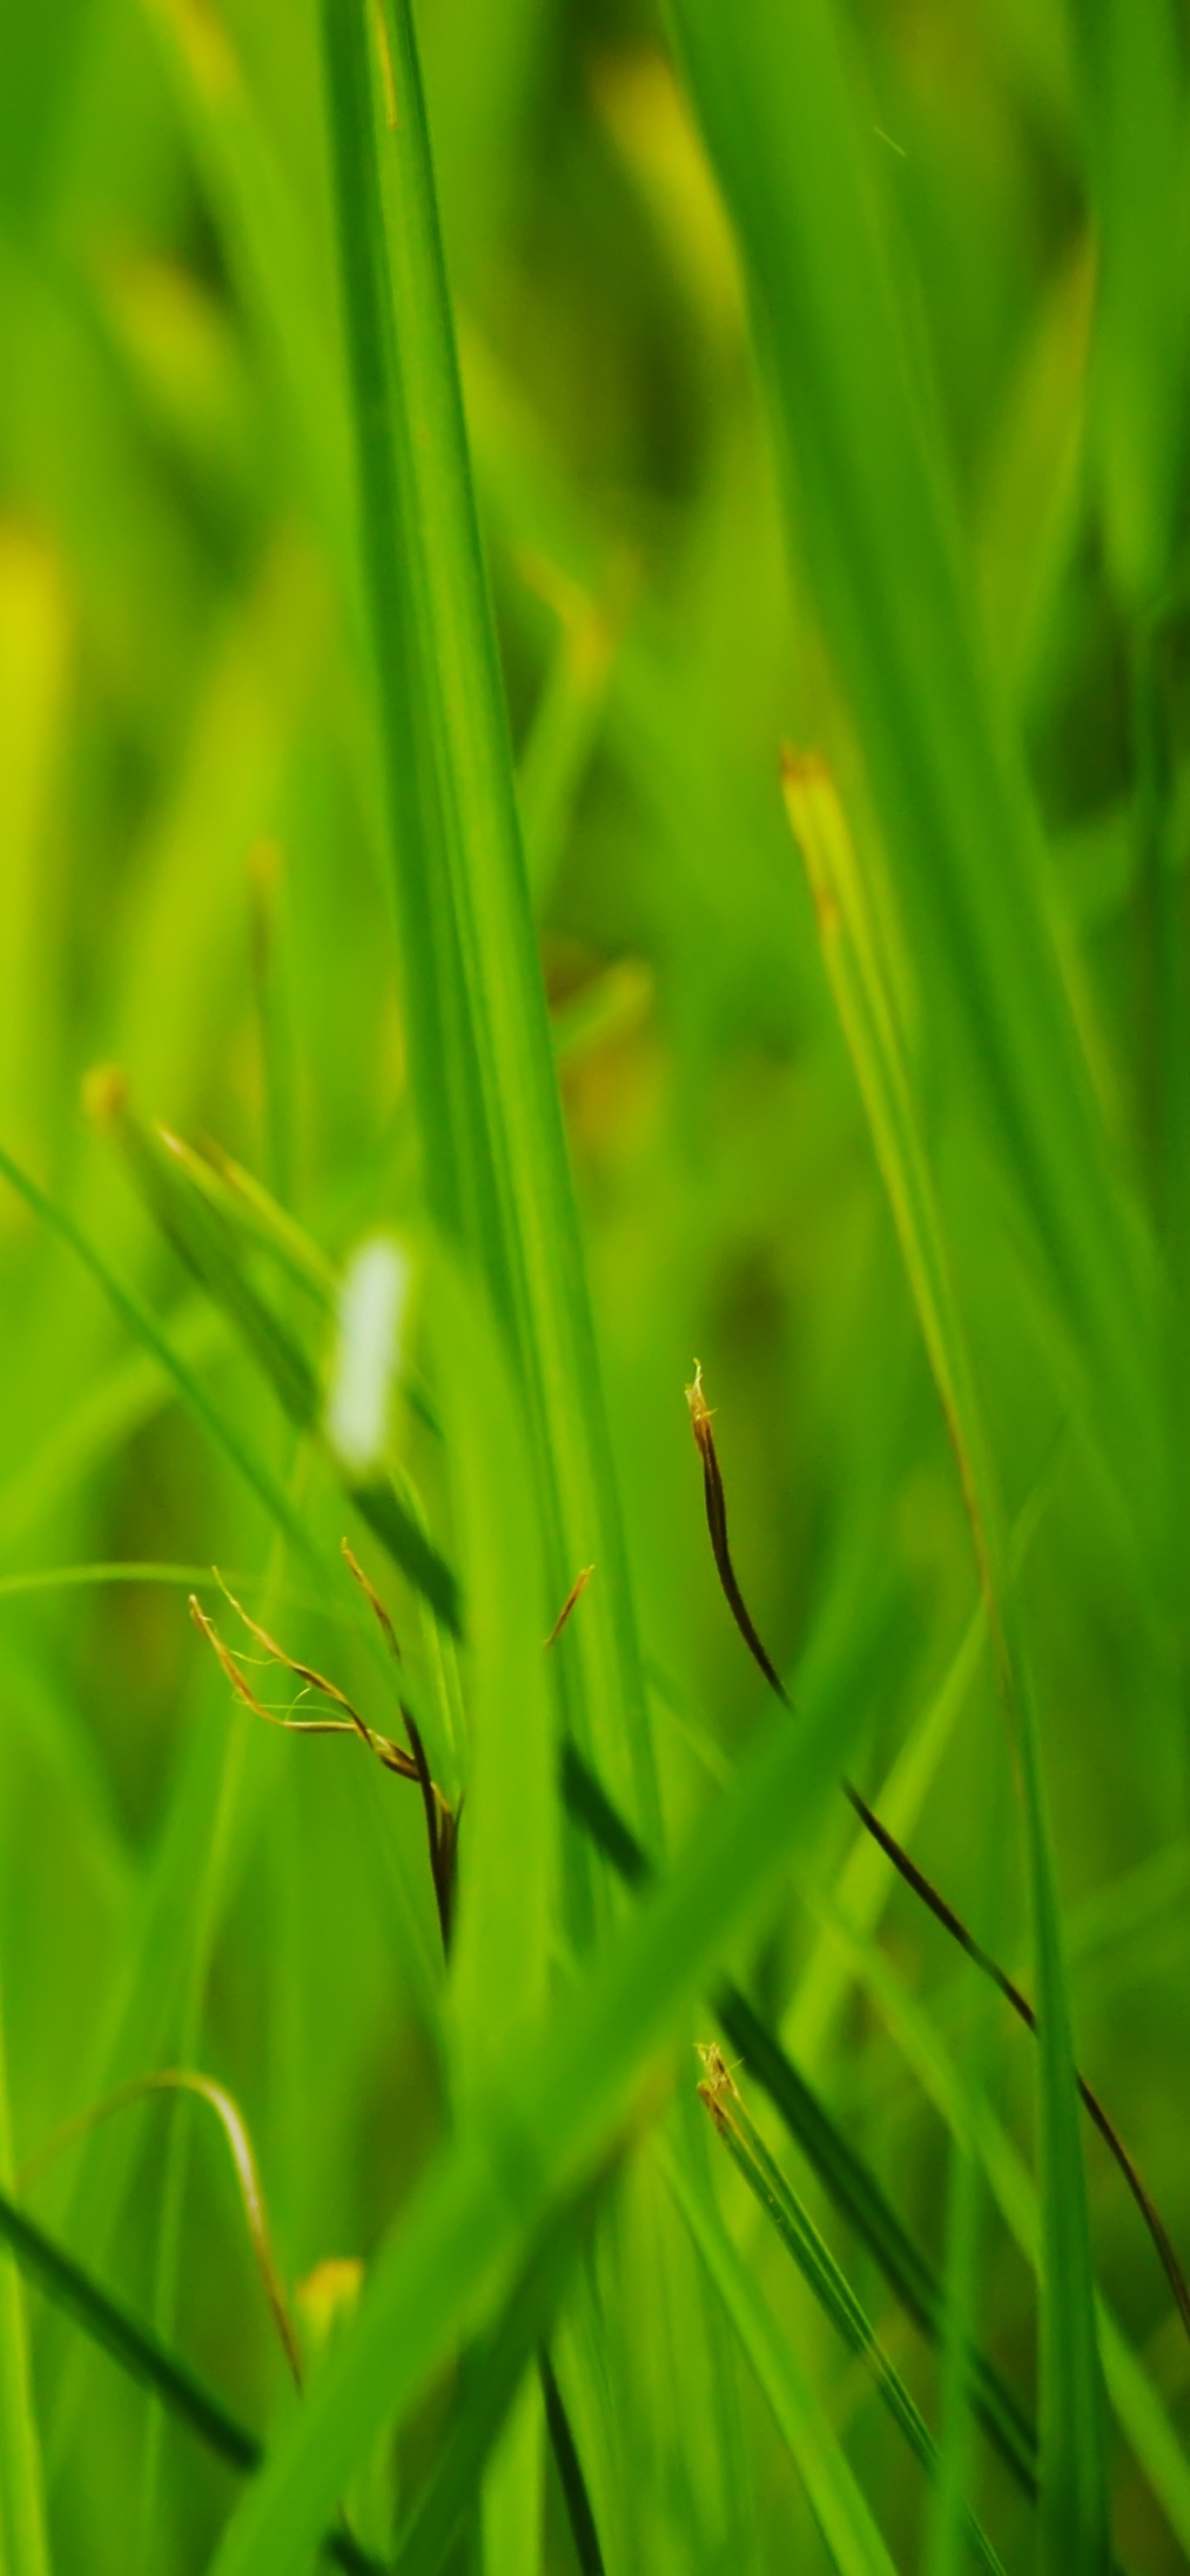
[134, 2346]
[479, 1046]
[227, 2111]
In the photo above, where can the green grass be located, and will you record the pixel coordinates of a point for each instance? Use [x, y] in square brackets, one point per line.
[451, 460]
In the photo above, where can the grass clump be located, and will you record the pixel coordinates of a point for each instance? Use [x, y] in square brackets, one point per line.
[449, 456]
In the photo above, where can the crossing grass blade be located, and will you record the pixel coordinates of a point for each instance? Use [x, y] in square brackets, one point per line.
[132, 2345]
[1075, 2527]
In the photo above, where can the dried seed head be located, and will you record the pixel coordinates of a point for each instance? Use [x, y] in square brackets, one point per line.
[700, 1410]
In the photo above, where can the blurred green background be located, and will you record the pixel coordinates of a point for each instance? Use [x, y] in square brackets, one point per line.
[192, 887]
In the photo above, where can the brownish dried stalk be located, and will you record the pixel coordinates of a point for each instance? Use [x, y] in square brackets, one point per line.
[441, 1824]
[577, 1589]
[903, 1862]
[391, 1755]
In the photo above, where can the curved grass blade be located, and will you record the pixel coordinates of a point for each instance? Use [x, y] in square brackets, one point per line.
[72, 1578]
[174, 2079]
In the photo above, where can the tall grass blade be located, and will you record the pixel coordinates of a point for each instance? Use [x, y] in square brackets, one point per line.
[1074, 2480]
[481, 1067]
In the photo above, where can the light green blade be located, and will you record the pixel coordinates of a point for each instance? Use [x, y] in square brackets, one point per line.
[873, 513]
[1075, 2527]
